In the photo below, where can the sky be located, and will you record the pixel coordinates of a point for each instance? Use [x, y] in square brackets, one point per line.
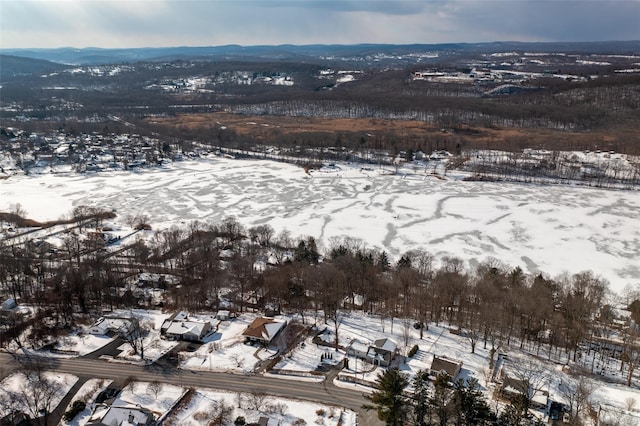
[165, 23]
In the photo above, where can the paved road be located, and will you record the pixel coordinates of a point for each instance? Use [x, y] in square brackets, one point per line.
[324, 392]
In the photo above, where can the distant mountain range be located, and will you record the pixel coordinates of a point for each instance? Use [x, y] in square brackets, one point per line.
[91, 56]
[17, 65]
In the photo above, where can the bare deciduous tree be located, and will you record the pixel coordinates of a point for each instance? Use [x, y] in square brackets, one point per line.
[578, 392]
[154, 388]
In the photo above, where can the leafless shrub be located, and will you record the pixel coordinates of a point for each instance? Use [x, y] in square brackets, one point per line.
[256, 400]
[630, 403]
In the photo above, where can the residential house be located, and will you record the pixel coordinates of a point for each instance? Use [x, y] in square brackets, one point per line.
[263, 330]
[111, 325]
[358, 349]
[179, 327]
[512, 383]
[121, 416]
[443, 364]
[381, 352]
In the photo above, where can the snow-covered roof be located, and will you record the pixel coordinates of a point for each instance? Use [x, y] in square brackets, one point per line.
[223, 313]
[186, 327]
[105, 324]
[386, 345]
[359, 346]
[263, 328]
[181, 316]
[450, 366]
[9, 304]
[125, 416]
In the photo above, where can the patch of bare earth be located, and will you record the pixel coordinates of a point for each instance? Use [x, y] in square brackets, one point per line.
[415, 134]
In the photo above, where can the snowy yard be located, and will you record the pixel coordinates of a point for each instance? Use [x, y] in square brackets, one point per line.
[87, 393]
[225, 350]
[80, 344]
[252, 407]
[18, 393]
[159, 401]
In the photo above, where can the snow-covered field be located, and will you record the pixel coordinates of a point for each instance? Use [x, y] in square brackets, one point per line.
[550, 229]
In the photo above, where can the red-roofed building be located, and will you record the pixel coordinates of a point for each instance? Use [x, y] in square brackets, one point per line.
[263, 330]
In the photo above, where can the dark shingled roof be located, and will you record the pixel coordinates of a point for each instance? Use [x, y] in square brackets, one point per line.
[451, 366]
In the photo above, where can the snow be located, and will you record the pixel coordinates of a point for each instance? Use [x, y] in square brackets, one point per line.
[307, 357]
[17, 383]
[286, 411]
[226, 350]
[550, 229]
[436, 340]
[139, 394]
[80, 344]
[87, 393]
[154, 346]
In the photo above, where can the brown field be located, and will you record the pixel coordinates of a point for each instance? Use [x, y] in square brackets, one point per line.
[407, 134]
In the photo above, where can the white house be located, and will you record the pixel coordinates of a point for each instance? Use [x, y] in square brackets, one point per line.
[381, 352]
[358, 349]
[111, 325]
[180, 327]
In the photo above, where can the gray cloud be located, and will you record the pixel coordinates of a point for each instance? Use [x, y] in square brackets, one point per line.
[136, 23]
[586, 20]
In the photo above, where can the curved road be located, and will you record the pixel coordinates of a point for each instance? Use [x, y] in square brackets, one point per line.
[325, 392]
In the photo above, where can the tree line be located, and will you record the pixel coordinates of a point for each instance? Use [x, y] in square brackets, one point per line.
[496, 305]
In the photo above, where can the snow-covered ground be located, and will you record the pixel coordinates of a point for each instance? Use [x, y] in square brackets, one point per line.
[154, 346]
[549, 229]
[285, 411]
[18, 394]
[225, 349]
[80, 344]
[87, 393]
[141, 394]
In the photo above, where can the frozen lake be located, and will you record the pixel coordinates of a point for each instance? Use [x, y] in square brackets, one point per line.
[548, 229]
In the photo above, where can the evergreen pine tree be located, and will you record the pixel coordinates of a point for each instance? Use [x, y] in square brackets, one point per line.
[421, 409]
[391, 404]
[383, 261]
[441, 399]
[471, 407]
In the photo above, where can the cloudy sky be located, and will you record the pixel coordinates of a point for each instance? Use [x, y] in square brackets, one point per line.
[156, 23]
